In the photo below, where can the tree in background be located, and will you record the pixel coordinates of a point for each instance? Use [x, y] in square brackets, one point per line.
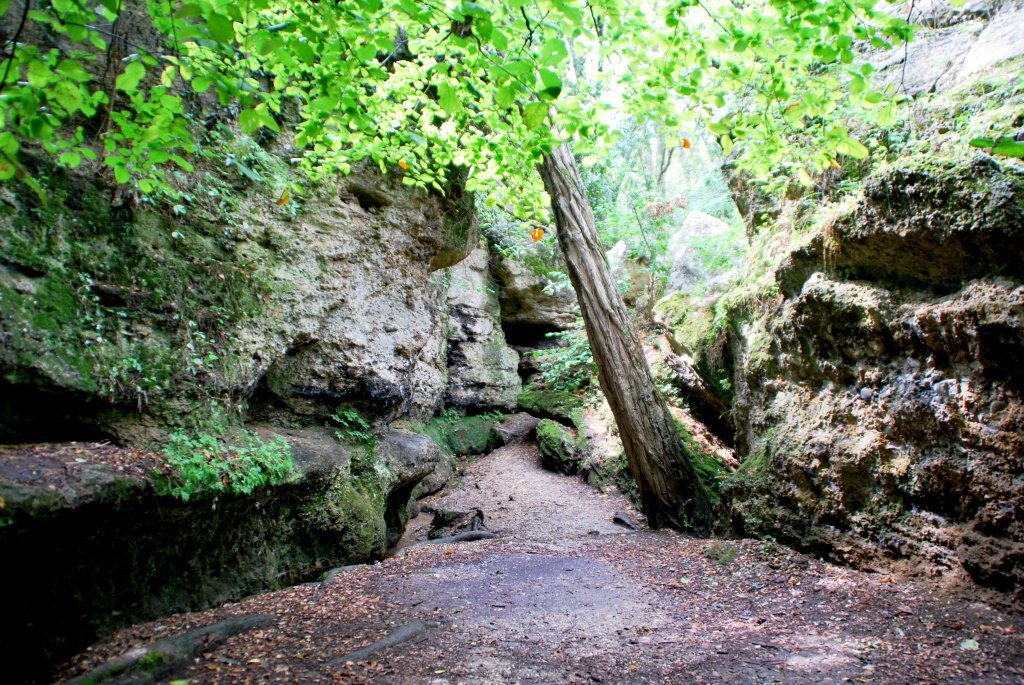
[422, 88]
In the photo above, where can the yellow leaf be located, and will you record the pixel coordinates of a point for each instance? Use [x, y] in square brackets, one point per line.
[285, 196]
[403, 166]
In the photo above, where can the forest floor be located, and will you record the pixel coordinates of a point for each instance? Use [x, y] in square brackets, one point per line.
[564, 595]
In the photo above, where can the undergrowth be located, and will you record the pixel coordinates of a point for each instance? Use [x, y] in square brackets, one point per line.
[570, 365]
[214, 461]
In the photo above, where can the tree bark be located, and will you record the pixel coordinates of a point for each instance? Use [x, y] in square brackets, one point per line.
[670, 492]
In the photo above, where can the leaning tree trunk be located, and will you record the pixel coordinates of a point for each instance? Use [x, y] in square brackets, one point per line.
[670, 492]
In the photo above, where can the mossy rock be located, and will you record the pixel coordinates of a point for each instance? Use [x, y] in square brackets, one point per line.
[548, 402]
[559, 450]
[462, 435]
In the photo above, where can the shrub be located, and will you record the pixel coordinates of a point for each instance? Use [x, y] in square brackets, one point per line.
[208, 462]
[569, 366]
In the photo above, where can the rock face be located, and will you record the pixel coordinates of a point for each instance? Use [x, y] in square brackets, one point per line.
[116, 324]
[688, 269]
[634, 280]
[482, 369]
[526, 307]
[123, 322]
[97, 551]
[880, 408]
[367, 332]
[956, 44]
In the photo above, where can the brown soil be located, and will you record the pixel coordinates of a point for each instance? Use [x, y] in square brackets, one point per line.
[563, 595]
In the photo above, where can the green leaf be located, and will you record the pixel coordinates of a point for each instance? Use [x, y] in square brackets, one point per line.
[852, 148]
[552, 83]
[70, 159]
[553, 52]
[128, 81]
[535, 113]
[39, 74]
[221, 29]
[1008, 147]
[448, 98]
[249, 121]
[505, 96]
[73, 70]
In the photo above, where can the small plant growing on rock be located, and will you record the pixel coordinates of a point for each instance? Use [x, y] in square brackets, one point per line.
[211, 462]
[569, 366]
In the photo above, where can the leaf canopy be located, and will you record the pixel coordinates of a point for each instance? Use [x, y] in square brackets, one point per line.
[490, 85]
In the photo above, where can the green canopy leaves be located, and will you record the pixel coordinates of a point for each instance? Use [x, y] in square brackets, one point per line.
[483, 85]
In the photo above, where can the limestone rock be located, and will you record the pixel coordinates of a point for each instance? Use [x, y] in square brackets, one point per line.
[516, 428]
[366, 314]
[558, 448]
[526, 305]
[632, 277]
[924, 223]
[482, 369]
[291, 314]
[688, 269]
[884, 417]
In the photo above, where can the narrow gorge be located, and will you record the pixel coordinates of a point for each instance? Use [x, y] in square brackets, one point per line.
[295, 385]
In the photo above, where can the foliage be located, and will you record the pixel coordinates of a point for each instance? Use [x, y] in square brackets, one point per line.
[569, 365]
[353, 428]
[1006, 146]
[420, 88]
[213, 461]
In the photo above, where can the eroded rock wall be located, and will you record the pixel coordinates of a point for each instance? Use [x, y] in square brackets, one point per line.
[879, 408]
[482, 369]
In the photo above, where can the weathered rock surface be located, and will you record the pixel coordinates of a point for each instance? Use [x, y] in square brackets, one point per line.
[688, 268]
[559, 450]
[880, 413]
[517, 428]
[526, 303]
[955, 45]
[482, 369]
[633, 276]
[97, 551]
[924, 223]
[292, 314]
[367, 323]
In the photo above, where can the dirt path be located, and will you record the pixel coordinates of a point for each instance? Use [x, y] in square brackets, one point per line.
[564, 595]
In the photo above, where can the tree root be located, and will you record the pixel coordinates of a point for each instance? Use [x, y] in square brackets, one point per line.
[403, 634]
[163, 657]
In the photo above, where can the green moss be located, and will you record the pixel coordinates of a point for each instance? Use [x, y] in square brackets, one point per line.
[458, 435]
[558, 446]
[710, 471]
[723, 552]
[689, 320]
[151, 661]
[137, 306]
[349, 512]
[545, 401]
